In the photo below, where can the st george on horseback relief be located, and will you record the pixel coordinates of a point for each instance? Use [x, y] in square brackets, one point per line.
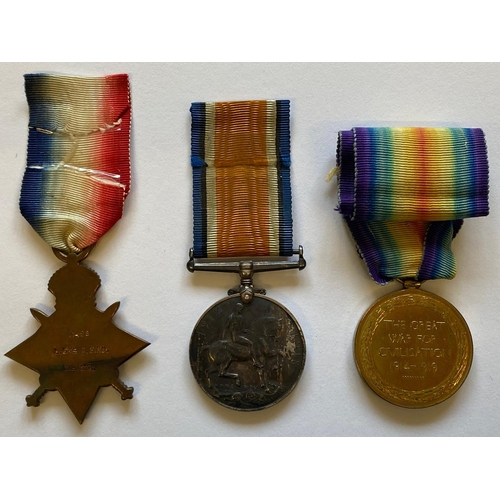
[247, 356]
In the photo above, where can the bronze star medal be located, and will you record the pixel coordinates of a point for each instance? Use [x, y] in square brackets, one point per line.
[74, 187]
[77, 349]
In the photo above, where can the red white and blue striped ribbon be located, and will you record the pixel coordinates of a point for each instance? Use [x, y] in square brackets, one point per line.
[78, 167]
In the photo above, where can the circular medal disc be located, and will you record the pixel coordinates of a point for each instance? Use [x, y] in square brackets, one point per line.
[247, 356]
[413, 348]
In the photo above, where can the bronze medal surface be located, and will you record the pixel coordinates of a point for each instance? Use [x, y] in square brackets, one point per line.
[77, 349]
[247, 356]
[413, 348]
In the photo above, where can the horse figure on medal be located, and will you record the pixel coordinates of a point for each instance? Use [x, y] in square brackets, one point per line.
[258, 345]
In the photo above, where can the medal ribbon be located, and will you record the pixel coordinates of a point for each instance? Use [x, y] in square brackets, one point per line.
[240, 155]
[404, 193]
[78, 168]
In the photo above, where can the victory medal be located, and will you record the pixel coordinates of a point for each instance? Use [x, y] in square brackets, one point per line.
[404, 193]
[247, 351]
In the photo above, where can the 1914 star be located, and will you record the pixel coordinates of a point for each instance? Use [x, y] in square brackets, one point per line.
[77, 349]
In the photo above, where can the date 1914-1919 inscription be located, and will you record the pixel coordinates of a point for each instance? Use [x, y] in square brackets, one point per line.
[413, 348]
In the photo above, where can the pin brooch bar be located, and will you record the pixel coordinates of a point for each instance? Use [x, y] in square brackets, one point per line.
[258, 266]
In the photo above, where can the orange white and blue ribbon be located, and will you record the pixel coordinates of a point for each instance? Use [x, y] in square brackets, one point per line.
[404, 193]
[240, 156]
[78, 167]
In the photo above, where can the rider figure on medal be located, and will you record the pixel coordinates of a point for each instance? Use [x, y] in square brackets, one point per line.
[233, 329]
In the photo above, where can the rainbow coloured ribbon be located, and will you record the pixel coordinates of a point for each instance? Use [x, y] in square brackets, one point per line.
[242, 201]
[404, 193]
[78, 168]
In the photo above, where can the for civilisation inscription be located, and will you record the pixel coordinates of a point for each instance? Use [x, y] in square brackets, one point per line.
[413, 348]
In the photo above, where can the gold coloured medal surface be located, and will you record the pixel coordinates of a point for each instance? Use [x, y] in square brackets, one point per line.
[413, 348]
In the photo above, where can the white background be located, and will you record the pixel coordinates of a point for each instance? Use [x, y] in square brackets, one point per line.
[142, 260]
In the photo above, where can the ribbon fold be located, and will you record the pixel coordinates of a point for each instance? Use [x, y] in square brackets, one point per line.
[404, 193]
[78, 167]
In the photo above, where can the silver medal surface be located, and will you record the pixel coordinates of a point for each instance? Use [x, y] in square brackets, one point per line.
[247, 356]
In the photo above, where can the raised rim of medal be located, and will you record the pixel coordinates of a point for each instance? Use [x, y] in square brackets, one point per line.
[455, 380]
[301, 369]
